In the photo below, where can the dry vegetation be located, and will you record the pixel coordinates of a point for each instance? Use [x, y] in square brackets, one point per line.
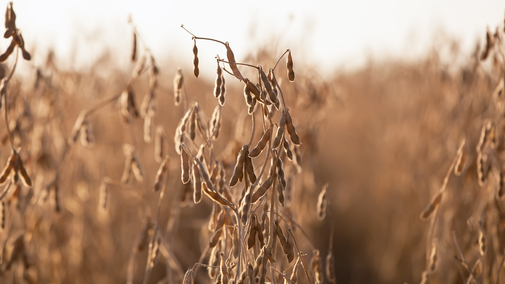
[389, 174]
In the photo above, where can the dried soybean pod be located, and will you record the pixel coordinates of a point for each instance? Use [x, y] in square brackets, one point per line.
[322, 203]
[249, 167]
[261, 143]
[262, 189]
[251, 108]
[251, 238]
[239, 165]
[287, 149]
[196, 70]
[247, 95]
[25, 178]
[433, 257]
[215, 123]
[134, 47]
[291, 128]
[148, 129]
[197, 184]
[102, 201]
[136, 169]
[482, 238]
[280, 173]
[317, 266]
[253, 88]
[219, 80]
[215, 237]
[330, 267]
[8, 52]
[2, 212]
[294, 273]
[236, 242]
[232, 62]
[184, 166]
[280, 131]
[289, 67]
[178, 83]
[482, 168]
[291, 246]
[501, 184]
[161, 175]
[128, 152]
[192, 123]
[158, 144]
[432, 206]
[280, 194]
[273, 98]
[222, 93]
[213, 261]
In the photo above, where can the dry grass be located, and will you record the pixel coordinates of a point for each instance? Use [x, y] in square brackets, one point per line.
[256, 177]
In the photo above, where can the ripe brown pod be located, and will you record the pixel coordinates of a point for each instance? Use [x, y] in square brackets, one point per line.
[322, 203]
[317, 266]
[196, 70]
[102, 201]
[262, 189]
[161, 175]
[280, 131]
[289, 67]
[197, 184]
[432, 206]
[291, 128]
[192, 123]
[8, 52]
[2, 212]
[215, 123]
[433, 257]
[148, 129]
[330, 267]
[253, 88]
[158, 144]
[249, 166]
[261, 143]
[215, 237]
[482, 238]
[239, 165]
[287, 149]
[232, 62]
[136, 169]
[273, 98]
[184, 166]
[178, 83]
[247, 95]
[222, 93]
[251, 238]
[134, 47]
[219, 81]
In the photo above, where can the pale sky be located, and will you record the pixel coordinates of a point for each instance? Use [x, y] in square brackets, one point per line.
[327, 34]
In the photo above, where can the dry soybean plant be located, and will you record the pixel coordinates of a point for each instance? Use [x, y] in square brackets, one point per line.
[250, 215]
[466, 241]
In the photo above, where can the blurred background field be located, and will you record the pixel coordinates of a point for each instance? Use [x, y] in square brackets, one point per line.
[380, 129]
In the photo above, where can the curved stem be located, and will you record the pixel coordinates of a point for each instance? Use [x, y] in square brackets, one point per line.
[278, 60]
[238, 63]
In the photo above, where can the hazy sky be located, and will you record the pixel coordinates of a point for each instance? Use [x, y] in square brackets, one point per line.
[328, 34]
